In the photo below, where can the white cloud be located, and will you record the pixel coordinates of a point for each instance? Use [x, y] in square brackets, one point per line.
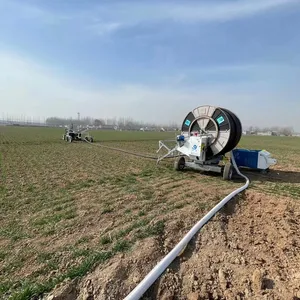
[20, 10]
[111, 16]
[132, 13]
[100, 28]
[31, 89]
[225, 11]
[127, 14]
[28, 88]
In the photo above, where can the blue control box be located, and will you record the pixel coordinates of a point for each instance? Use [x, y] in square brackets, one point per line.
[246, 158]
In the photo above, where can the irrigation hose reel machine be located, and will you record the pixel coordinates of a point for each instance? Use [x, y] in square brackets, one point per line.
[207, 134]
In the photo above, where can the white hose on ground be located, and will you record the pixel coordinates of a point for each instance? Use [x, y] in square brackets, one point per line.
[154, 274]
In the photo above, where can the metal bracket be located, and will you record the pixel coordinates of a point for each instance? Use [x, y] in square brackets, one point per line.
[170, 152]
[204, 167]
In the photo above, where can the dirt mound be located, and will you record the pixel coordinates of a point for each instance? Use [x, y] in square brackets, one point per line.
[248, 251]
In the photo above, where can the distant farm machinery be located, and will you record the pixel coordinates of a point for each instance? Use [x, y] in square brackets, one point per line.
[71, 135]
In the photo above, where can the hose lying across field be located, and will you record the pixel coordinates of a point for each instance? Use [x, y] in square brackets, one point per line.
[123, 151]
[128, 152]
[147, 282]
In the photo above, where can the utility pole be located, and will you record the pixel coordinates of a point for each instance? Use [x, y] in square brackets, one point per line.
[78, 116]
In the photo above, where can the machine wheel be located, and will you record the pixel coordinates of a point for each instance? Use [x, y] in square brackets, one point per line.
[265, 172]
[179, 164]
[228, 171]
[91, 140]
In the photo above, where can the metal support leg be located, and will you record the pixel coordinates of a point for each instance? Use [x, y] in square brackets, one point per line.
[170, 152]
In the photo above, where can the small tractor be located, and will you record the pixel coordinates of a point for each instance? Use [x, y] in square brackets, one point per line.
[71, 135]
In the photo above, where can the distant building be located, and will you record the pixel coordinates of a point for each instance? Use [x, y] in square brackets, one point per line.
[107, 127]
[246, 132]
[268, 133]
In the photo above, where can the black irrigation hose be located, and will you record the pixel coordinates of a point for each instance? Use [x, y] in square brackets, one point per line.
[123, 151]
[129, 152]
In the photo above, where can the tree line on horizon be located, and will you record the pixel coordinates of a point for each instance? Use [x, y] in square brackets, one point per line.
[129, 123]
[287, 131]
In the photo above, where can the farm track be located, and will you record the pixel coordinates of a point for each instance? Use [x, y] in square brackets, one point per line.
[67, 208]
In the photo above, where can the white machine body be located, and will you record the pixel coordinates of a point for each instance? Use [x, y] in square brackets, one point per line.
[265, 160]
[193, 147]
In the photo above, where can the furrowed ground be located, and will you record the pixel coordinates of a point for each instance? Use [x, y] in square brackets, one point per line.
[66, 209]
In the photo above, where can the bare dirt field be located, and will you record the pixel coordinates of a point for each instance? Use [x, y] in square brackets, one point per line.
[82, 222]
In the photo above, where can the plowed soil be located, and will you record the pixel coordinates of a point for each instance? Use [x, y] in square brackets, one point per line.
[82, 222]
[250, 250]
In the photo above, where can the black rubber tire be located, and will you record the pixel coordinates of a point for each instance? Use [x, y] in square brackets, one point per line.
[238, 128]
[233, 131]
[228, 171]
[265, 172]
[179, 163]
[91, 140]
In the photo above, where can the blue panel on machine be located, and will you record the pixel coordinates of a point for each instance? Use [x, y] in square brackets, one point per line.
[187, 122]
[246, 158]
[220, 120]
[180, 138]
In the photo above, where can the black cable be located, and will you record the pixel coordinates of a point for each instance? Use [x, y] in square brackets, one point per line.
[129, 152]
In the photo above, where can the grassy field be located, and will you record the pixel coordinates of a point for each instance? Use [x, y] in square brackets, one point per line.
[65, 208]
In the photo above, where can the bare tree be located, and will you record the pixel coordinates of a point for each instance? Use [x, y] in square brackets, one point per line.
[99, 122]
[287, 131]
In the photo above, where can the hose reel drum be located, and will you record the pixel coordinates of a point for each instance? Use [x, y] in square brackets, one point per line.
[221, 125]
[207, 134]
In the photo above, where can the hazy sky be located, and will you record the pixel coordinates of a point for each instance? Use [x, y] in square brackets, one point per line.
[151, 60]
